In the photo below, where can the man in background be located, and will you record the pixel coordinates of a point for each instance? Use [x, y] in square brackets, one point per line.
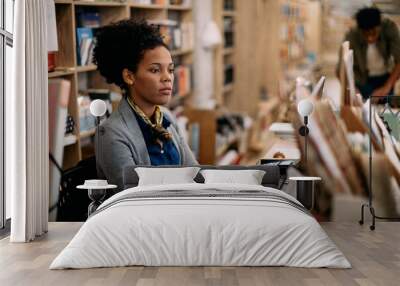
[376, 45]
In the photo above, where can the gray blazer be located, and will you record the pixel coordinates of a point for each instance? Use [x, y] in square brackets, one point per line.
[120, 143]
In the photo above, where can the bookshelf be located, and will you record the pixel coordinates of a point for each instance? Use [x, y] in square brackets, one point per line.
[224, 59]
[83, 78]
[295, 36]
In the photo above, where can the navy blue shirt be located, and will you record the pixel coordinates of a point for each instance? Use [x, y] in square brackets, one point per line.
[168, 154]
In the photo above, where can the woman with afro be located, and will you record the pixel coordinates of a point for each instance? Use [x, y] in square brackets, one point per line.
[132, 55]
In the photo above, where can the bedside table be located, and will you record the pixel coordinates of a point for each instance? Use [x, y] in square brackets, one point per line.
[284, 165]
[305, 190]
[96, 191]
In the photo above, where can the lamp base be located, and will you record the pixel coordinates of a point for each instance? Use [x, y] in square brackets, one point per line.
[303, 130]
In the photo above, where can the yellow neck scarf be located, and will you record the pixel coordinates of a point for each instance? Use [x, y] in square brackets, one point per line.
[159, 131]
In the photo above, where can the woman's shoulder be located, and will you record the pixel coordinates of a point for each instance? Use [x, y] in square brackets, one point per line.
[113, 126]
[118, 118]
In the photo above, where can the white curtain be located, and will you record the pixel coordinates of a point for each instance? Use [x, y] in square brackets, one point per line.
[27, 124]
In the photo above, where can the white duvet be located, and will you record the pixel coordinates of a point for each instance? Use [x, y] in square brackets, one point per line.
[200, 231]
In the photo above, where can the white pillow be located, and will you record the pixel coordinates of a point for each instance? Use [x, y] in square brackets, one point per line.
[162, 176]
[248, 177]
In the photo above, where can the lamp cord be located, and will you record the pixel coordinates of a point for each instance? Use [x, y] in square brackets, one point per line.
[370, 152]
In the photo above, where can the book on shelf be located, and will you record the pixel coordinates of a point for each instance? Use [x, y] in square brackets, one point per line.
[228, 74]
[182, 80]
[87, 121]
[187, 32]
[85, 45]
[229, 5]
[87, 21]
[58, 98]
[88, 18]
[176, 36]
[180, 2]
[150, 2]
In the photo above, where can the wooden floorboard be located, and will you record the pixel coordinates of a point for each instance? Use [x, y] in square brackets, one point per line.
[374, 255]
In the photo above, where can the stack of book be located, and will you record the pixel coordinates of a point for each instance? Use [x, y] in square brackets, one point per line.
[187, 32]
[229, 5]
[231, 138]
[228, 32]
[87, 122]
[58, 96]
[87, 22]
[176, 37]
[228, 74]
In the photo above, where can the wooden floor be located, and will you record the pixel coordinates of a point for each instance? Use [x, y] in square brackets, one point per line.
[375, 257]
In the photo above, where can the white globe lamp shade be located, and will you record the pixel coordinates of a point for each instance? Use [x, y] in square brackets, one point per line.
[305, 107]
[98, 107]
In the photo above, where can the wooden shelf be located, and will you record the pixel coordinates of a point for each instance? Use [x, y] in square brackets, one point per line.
[69, 139]
[86, 68]
[144, 6]
[99, 3]
[228, 51]
[60, 73]
[63, 1]
[228, 13]
[179, 7]
[88, 133]
[176, 53]
[87, 77]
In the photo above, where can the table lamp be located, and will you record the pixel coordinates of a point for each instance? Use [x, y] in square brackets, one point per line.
[98, 108]
[96, 191]
[305, 107]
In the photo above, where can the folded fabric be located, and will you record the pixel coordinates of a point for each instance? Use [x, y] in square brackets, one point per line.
[162, 176]
[248, 177]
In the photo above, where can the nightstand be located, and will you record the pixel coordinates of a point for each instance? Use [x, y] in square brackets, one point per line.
[305, 190]
[284, 165]
[96, 191]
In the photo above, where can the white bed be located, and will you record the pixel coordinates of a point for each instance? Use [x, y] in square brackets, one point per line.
[136, 227]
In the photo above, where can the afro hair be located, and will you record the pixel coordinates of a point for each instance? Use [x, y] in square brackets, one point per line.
[368, 18]
[122, 45]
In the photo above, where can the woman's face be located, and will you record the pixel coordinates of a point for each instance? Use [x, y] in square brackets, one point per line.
[154, 77]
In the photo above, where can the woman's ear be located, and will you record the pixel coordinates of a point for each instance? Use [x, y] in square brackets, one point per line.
[128, 76]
